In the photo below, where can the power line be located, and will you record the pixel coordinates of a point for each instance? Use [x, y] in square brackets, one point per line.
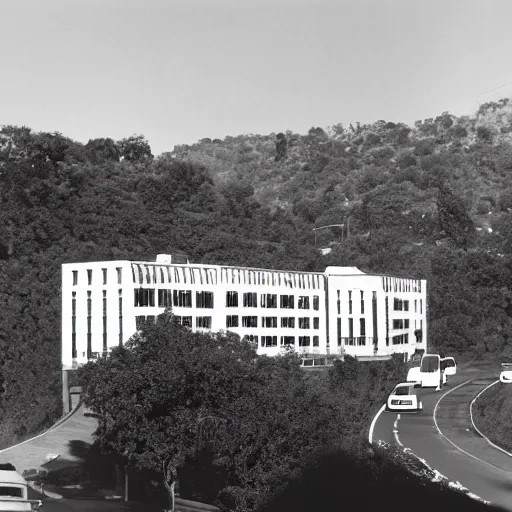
[492, 90]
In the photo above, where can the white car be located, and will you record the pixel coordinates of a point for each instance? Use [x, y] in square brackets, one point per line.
[14, 493]
[506, 373]
[405, 398]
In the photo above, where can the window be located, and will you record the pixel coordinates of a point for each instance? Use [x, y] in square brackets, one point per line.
[362, 327]
[398, 324]
[304, 341]
[250, 300]
[339, 331]
[268, 300]
[288, 321]
[104, 272]
[287, 340]
[232, 321]
[89, 276]
[73, 326]
[164, 298]
[316, 341]
[249, 321]
[349, 302]
[144, 297]
[406, 323]
[269, 341]
[401, 339]
[104, 320]
[231, 299]
[186, 321]
[204, 299]
[303, 302]
[362, 302]
[304, 323]
[287, 301]
[421, 306]
[316, 302]
[182, 298]
[204, 322]
[401, 305]
[415, 306]
[75, 277]
[316, 323]
[89, 319]
[251, 337]
[119, 275]
[406, 305]
[339, 303]
[350, 327]
[269, 321]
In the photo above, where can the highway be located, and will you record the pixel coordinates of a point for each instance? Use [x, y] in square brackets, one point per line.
[447, 440]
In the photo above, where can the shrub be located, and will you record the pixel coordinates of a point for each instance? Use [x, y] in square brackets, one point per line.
[424, 147]
[484, 134]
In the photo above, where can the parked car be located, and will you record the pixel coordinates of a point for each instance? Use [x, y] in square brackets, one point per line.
[14, 492]
[506, 373]
[405, 398]
[449, 366]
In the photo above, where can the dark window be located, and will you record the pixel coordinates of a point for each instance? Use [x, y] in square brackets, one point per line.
[316, 323]
[120, 317]
[421, 306]
[406, 305]
[270, 341]
[269, 321]
[268, 300]
[303, 302]
[406, 323]
[250, 300]
[304, 323]
[231, 299]
[288, 321]
[339, 303]
[349, 302]
[104, 321]
[204, 322]
[164, 298]
[251, 337]
[144, 297]
[232, 321]
[362, 302]
[398, 324]
[89, 276]
[415, 306]
[73, 326]
[316, 341]
[316, 302]
[104, 271]
[339, 332]
[139, 321]
[350, 327]
[287, 340]
[182, 298]
[186, 321]
[362, 327]
[287, 301]
[75, 277]
[249, 321]
[304, 341]
[204, 300]
[119, 275]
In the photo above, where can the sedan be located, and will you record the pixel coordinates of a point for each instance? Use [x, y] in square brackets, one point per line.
[404, 398]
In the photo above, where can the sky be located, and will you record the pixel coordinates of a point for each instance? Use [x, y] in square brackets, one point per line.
[178, 71]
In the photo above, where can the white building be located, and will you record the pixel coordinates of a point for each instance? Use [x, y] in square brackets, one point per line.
[339, 310]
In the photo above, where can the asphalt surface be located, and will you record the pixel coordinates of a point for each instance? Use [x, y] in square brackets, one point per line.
[453, 447]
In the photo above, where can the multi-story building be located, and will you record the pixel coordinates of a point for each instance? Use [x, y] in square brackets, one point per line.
[341, 310]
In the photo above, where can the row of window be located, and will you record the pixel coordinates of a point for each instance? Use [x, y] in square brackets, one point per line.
[271, 341]
[152, 274]
[104, 273]
[144, 297]
[398, 284]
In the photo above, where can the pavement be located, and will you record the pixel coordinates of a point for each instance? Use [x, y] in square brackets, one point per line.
[447, 440]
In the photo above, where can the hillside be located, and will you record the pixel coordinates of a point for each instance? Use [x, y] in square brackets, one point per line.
[420, 201]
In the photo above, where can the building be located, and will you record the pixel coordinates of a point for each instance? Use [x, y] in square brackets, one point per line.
[339, 310]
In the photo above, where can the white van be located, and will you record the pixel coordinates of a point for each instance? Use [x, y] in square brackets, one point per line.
[14, 493]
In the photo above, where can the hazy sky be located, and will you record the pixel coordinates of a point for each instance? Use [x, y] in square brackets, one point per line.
[180, 70]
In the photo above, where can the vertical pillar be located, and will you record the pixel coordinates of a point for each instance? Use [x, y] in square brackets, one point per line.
[65, 391]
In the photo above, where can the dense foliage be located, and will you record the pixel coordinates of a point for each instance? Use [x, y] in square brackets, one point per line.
[491, 414]
[173, 398]
[415, 201]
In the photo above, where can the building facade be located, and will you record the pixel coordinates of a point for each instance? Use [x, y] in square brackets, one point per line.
[341, 310]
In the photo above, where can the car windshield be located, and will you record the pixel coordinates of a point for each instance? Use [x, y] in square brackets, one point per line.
[15, 492]
[430, 364]
[402, 390]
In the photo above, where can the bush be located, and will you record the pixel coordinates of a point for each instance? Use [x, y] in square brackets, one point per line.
[484, 134]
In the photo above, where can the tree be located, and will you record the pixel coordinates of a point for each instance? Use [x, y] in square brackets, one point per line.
[135, 148]
[454, 218]
[281, 147]
[153, 396]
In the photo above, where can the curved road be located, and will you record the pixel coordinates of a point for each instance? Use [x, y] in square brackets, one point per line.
[448, 442]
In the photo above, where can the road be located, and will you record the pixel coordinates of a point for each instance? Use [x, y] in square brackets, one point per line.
[452, 446]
